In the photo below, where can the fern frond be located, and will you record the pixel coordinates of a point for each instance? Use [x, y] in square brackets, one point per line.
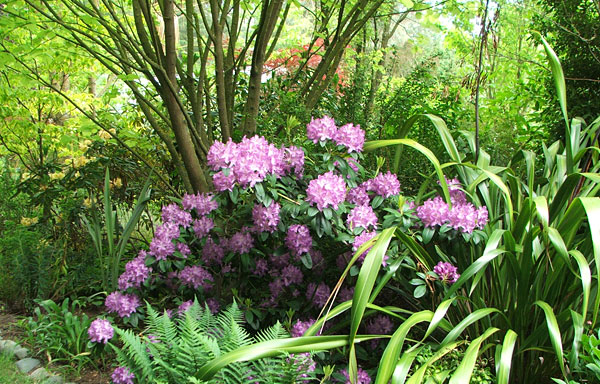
[136, 351]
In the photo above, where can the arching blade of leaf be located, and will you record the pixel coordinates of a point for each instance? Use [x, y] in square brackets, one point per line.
[372, 145]
[439, 314]
[366, 280]
[274, 348]
[554, 331]
[490, 253]
[463, 373]
[503, 365]
[390, 356]
[404, 364]
[419, 374]
[470, 319]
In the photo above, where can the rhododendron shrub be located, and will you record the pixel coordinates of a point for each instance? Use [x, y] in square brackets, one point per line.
[280, 228]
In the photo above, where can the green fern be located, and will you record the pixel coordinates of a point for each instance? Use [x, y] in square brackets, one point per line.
[172, 350]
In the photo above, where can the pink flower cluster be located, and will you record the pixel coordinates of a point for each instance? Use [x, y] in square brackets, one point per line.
[327, 190]
[195, 276]
[384, 184]
[362, 377]
[100, 331]
[250, 161]
[173, 213]
[123, 304]
[266, 218]
[136, 272]
[462, 217]
[162, 245]
[362, 216]
[121, 375]
[298, 239]
[300, 327]
[446, 272]
[318, 294]
[203, 203]
[350, 136]
[203, 226]
[241, 242]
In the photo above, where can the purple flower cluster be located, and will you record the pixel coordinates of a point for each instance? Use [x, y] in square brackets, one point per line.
[123, 304]
[298, 239]
[358, 196]
[446, 272]
[327, 190]
[362, 377]
[361, 239]
[300, 327]
[121, 375]
[345, 294]
[362, 216]
[294, 160]
[261, 267]
[162, 245]
[203, 203]
[213, 253]
[136, 272]
[100, 331]
[266, 218]
[462, 217]
[321, 129]
[250, 161]
[203, 226]
[384, 184]
[241, 242]
[380, 325]
[173, 213]
[195, 276]
[318, 294]
[183, 307]
[350, 136]
[291, 275]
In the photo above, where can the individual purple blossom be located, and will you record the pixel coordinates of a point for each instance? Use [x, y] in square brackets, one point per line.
[173, 213]
[195, 276]
[318, 294]
[446, 272]
[321, 129]
[350, 136]
[384, 184]
[213, 253]
[362, 216]
[123, 304]
[136, 272]
[300, 327]
[266, 218]
[293, 158]
[184, 249]
[203, 226]
[362, 377]
[358, 196]
[100, 331]
[327, 190]
[261, 267]
[298, 239]
[121, 375]
[291, 275]
[203, 203]
[241, 242]
[183, 307]
[223, 182]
